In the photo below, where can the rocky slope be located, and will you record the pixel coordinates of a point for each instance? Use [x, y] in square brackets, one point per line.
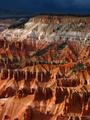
[43, 78]
[51, 28]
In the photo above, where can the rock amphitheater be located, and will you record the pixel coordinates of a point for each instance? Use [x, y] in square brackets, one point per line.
[45, 69]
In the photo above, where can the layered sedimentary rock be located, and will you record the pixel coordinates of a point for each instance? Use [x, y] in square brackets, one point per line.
[45, 80]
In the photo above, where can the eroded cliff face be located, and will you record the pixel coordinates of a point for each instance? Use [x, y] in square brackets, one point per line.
[49, 81]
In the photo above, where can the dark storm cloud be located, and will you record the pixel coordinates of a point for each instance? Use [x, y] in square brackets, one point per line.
[27, 6]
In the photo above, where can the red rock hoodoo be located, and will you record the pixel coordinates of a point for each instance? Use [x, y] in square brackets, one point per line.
[45, 70]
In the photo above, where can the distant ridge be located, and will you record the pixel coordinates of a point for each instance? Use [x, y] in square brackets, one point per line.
[19, 14]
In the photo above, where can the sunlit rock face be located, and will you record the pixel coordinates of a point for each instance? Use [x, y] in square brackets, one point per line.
[45, 70]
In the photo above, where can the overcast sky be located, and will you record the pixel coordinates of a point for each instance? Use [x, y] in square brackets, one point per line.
[69, 6]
